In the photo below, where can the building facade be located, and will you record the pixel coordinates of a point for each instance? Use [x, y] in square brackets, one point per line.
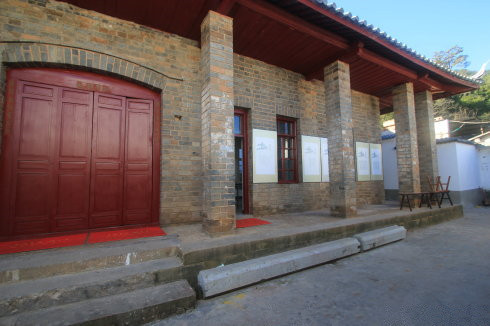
[141, 113]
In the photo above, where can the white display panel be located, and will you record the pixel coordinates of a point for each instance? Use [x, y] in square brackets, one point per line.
[310, 148]
[324, 159]
[363, 162]
[264, 156]
[376, 161]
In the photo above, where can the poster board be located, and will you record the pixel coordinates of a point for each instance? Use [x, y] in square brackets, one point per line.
[264, 156]
[311, 158]
[376, 161]
[363, 164]
[324, 159]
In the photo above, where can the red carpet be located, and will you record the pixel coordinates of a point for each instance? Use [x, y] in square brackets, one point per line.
[49, 242]
[246, 222]
[116, 235]
[10, 247]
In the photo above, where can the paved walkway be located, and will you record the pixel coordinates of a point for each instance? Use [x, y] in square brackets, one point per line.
[437, 276]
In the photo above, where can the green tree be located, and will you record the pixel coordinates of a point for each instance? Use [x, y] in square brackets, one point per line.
[473, 105]
[452, 58]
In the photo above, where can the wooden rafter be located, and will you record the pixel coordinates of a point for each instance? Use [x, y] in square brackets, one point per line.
[353, 26]
[294, 22]
[225, 7]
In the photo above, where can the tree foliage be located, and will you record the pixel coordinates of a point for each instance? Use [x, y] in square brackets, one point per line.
[452, 58]
[473, 105]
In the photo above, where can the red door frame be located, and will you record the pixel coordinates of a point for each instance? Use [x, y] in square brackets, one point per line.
[244, 135]
[77, 80]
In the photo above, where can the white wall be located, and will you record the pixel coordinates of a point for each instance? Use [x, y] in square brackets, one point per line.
[448, 164]
[468, 167]
[390, 167]
[461, 162]
[484, 155]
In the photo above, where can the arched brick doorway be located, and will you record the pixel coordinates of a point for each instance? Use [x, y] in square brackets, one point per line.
[79, 151]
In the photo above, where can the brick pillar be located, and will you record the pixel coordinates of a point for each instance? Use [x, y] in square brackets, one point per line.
[406, 138]
[217, 123]
[340, 140]
[426, 136]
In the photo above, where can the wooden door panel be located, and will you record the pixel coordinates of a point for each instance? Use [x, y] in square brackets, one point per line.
[33, 148]
[76, 159]
[34, 140]
[138, 163]
[108, 141]
[109, 133]
[72, 169]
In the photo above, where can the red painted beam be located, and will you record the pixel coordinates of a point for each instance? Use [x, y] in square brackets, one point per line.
[383, 62]
[355, 27]
[349, 56]
[294, 22]
[225, 7]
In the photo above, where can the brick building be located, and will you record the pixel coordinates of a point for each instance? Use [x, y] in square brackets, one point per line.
[139, 112]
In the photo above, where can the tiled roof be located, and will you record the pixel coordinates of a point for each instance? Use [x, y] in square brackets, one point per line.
[332, 7]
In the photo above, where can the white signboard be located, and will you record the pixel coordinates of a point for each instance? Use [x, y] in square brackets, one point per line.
[324, 159]
[310, 148]
[362, 162]
[376, 162]
[264, 156]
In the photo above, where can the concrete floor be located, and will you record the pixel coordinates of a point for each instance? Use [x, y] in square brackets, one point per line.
[191, 236]
[439, 275]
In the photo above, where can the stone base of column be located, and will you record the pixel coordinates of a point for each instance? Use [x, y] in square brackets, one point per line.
[343, 211]
[219, 227]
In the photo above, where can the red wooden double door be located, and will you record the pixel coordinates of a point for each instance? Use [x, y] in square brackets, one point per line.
[75, 158]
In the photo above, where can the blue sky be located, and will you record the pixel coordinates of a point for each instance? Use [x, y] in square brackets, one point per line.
[431, 25]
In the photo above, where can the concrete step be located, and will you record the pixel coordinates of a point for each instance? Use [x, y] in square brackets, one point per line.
[45, 263]
[62, 289]
[373, 239]
[226, 278]
[129, 308]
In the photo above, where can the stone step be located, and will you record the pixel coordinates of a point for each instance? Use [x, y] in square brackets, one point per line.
[373, 239]
[129, 308]
[45, 263]
[62, 289]
[226, 278]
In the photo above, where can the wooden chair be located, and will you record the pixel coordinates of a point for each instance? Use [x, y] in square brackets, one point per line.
[433, 193]
[443, 189]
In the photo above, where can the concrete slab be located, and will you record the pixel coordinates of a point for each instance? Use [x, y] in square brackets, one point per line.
[62, 289]
[372, 239]
[132, 308]
[225, 278]
[46, 263]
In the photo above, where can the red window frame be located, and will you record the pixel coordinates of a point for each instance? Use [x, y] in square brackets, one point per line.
[293, 150]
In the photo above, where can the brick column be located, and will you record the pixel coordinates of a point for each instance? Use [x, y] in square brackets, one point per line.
[426, 136]
[217, 123]
[340, 140]
[406, 138]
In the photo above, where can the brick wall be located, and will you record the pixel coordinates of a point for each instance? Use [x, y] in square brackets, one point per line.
[56, 23]
[367, 129]
[268, 91]
[264, 89]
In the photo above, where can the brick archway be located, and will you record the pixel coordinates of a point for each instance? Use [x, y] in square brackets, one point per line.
[87, 63]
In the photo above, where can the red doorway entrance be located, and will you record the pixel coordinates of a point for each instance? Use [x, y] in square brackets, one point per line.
[79, 151]
[240, 130]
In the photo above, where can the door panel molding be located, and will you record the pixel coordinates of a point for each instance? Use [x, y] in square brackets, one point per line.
[62, 166]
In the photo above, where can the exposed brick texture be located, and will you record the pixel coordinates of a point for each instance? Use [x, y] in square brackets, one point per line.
[55, 34]
[70, 37]
[340, 140]
[406, 138]
[217, 123]
[367, 129]
[426, 138]
[268, 91]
